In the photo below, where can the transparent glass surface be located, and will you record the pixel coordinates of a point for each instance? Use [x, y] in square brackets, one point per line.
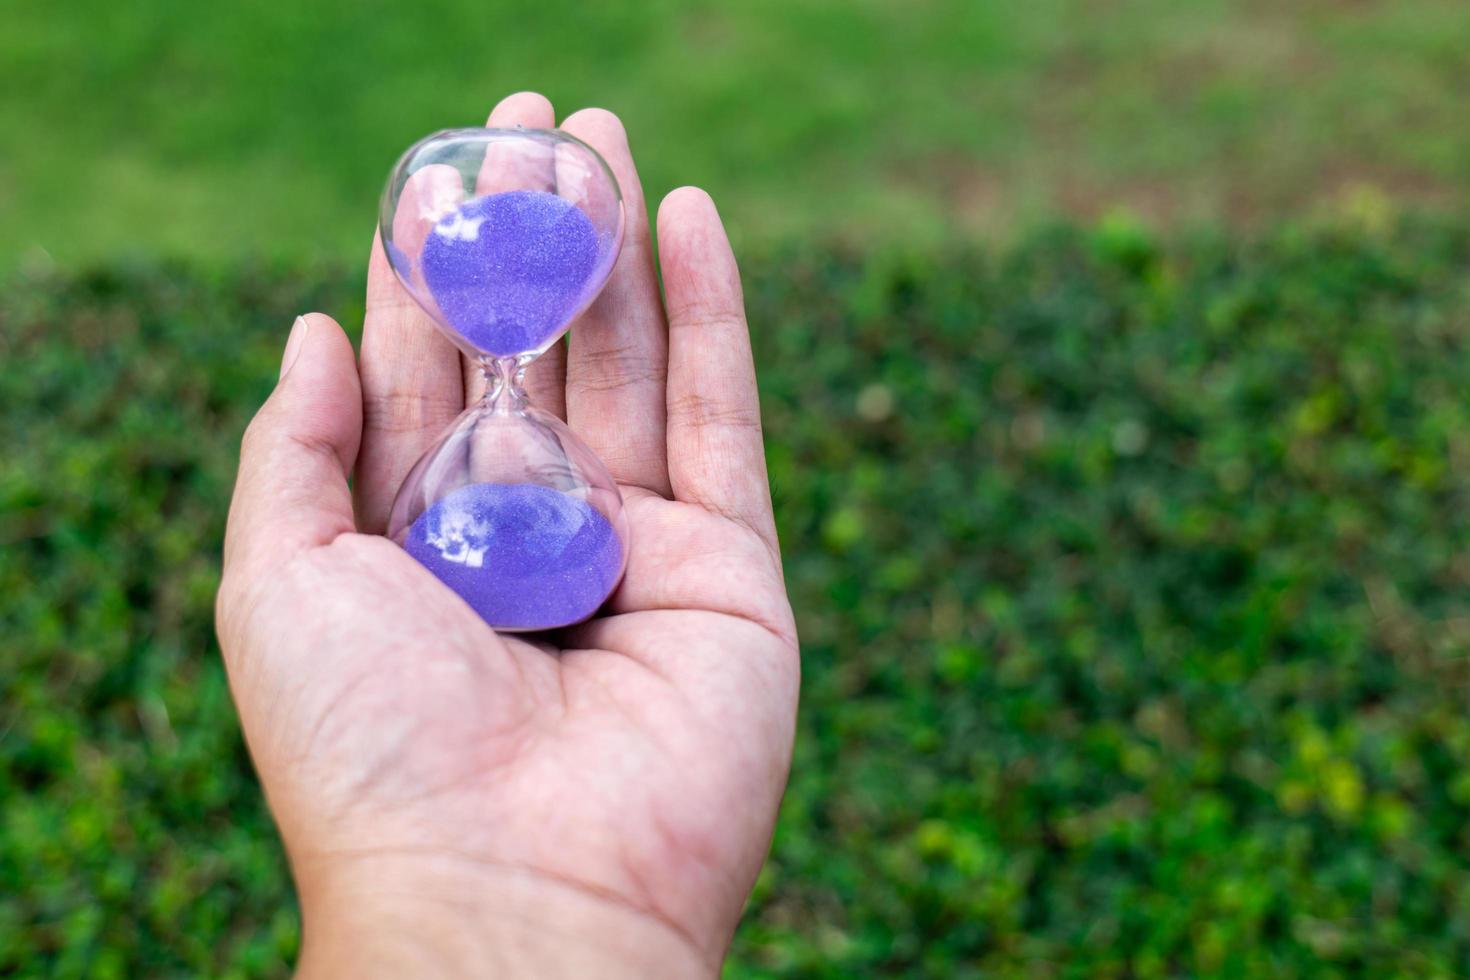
[504, 236]
[515, 514]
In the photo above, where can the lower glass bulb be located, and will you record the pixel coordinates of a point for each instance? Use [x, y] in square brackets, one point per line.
[516, 515]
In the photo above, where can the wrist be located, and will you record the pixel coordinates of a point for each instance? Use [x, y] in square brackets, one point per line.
[433, 917]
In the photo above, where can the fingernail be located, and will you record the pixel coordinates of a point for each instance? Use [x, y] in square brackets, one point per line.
[293, 343]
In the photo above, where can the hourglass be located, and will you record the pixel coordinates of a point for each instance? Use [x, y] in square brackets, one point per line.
[504, 236]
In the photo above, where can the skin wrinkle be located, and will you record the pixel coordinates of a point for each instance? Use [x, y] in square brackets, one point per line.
[471, 775]
[632, 657]
[522, 679]
[523, 642]
[699, 317]
[736, 517]
[704, 854]
[787, 638]
[396, 301]
[640, 461]
[406, 411]
[581, 886]
[734, 613]
[773, 552]
[765, 534]
[474, 661]
[642, 887]
[334, 705]
[510, 741]
[616, 368]
[319, 446]
[516, 728]
[386, 760]
[635, 722]
[679, 839]
[400, 401]
[700, 412]
[701, 852]
[231, 596]
[622, 309]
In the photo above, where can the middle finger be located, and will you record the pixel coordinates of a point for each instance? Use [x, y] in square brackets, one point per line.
[617, 360]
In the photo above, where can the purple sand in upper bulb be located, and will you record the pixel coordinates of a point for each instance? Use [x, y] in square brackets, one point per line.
[508, 270]
[525, 557]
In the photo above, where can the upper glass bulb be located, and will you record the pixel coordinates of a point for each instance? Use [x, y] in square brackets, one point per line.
[502, 235]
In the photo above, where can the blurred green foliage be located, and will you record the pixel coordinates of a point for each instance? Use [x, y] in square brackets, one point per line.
[1131, 582]
[220, 131]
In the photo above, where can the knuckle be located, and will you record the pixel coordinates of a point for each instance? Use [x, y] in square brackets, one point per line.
[699, 411]
[615, 368]
[406, 411]
[699, 315]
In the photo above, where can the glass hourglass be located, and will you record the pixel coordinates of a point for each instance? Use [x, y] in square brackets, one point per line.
[504, 236]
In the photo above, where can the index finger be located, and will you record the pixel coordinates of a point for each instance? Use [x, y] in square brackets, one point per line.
[411, 381]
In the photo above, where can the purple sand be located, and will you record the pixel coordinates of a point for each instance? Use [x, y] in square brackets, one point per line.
[508, 270]
[524, 556]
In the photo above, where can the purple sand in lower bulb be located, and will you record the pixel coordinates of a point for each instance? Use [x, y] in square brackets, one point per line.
[524, 556]
[508, 270]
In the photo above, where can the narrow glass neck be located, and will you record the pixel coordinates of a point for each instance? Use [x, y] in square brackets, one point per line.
[505, 379]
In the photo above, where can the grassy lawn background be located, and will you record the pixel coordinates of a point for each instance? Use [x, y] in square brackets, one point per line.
[1130, 566]
[1131, 584]
[266, 129]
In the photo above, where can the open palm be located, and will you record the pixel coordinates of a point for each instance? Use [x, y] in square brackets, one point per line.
[589, 801]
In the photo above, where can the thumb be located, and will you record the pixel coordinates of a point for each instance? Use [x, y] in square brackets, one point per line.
[291, 492]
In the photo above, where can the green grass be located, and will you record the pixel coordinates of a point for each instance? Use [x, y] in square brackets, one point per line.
[220, 131]
[1131, 582]
[1131, 576]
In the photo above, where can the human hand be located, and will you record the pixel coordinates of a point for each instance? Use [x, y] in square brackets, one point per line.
[592, 802]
